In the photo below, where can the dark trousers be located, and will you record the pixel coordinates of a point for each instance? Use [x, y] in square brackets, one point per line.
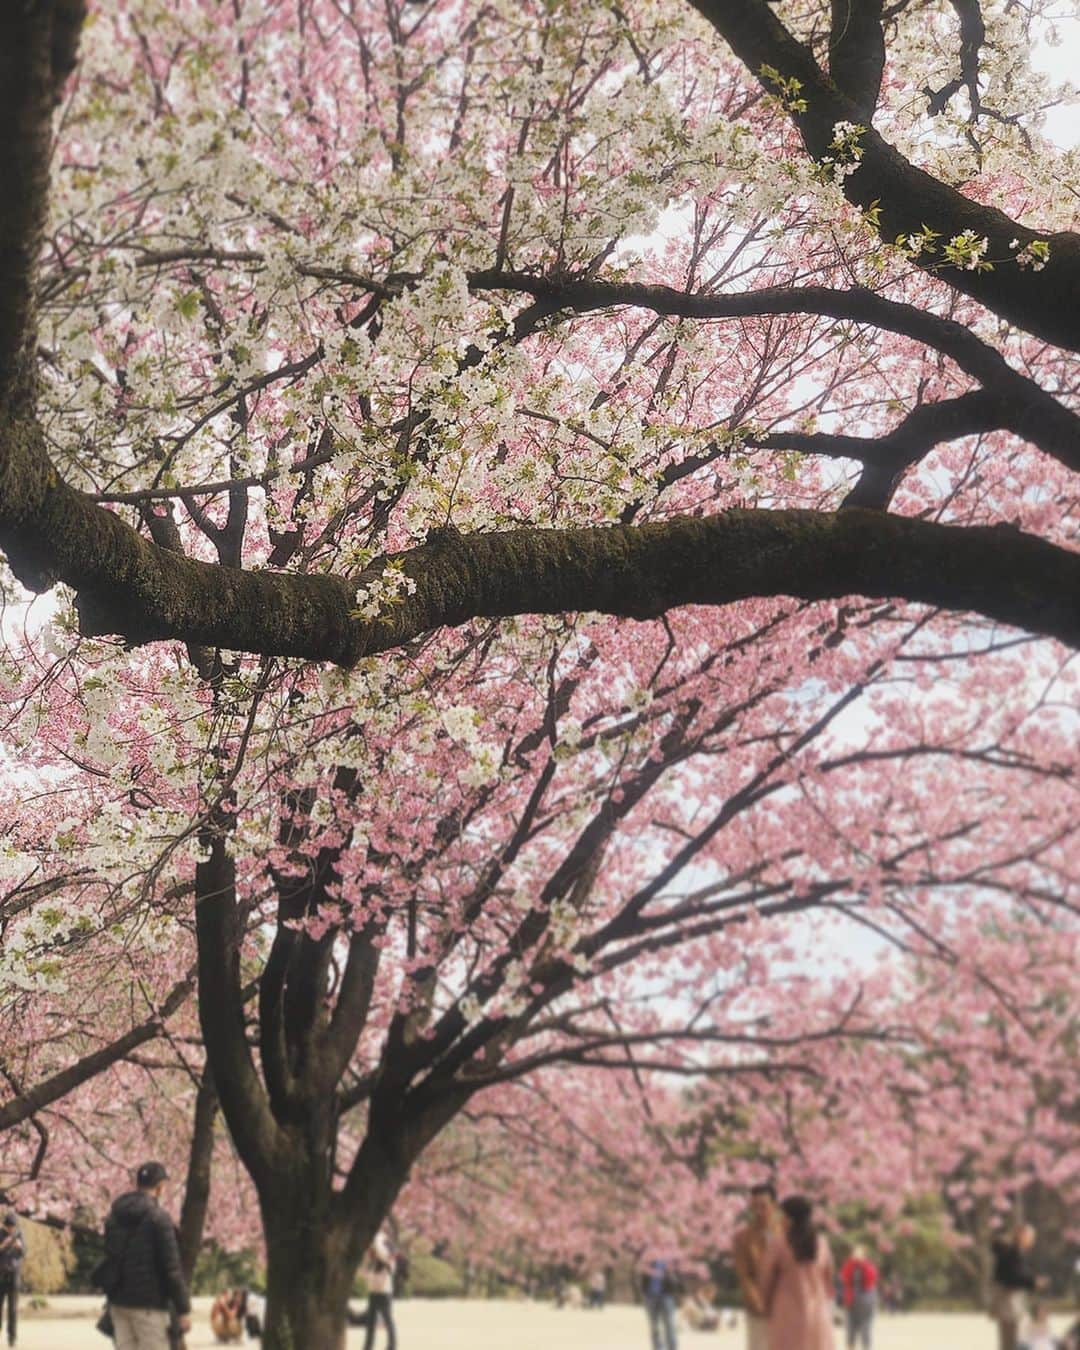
[9, 1293]
[860, 1325]
[661, 1310]
[379, 1307]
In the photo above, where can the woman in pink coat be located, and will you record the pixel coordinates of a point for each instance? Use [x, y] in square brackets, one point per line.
[797, 1282]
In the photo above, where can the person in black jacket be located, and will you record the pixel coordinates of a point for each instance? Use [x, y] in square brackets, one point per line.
[1012, 1281]
[141, 1247]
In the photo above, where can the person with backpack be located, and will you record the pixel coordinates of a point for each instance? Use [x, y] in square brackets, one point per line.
[859, 1280]
[141, 1275]
[11, 1256]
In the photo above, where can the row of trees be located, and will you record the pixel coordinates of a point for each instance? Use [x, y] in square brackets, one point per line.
[551, 522]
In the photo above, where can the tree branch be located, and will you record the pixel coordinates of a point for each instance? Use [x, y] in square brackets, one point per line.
[33, 1099]
[1042, 303]
[857, 52]
[37, 50]
[884, 458]
[130, 587]
[221, 1014]
[1026, 409]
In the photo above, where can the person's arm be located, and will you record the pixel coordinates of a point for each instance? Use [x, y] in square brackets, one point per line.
[768, 1277]
[169, 1254]
[828, 1278]
[746, 1276]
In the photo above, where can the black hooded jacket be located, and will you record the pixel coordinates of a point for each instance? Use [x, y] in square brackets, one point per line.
[141, 1236]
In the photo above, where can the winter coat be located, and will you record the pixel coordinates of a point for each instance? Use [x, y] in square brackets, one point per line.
[11, 1252]
[1010, 1267]
[141, 1237]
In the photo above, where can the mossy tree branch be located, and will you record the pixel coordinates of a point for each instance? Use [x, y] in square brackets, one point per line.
[133, 588]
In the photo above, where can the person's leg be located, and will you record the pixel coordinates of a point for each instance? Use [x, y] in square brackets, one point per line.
[125, 1332]
[757, 1333]
[151, 1327]
[652, 1307]
[7, 1295]
[668, 1305]
[849, 1319]
[369, 1335]
[388, 1318]
[1006, 1334]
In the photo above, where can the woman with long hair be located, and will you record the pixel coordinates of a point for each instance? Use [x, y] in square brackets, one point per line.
[797, 1282]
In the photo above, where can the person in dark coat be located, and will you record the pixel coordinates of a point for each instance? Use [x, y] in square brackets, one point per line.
[11, 1255]
[1013, 1279]
[144, 1278]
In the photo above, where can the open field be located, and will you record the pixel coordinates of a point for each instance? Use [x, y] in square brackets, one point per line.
[450, 1324]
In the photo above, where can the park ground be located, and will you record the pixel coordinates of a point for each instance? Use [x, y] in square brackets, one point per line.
[452, 1324]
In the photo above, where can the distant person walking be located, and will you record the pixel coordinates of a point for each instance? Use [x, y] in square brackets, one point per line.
[379, 1272]
[659, 1285]
[748, 1250]
[141, 1273]
[597, 1288]
[11, 1258]
[1012, 1281]
[859, 1278]
[797, 1282]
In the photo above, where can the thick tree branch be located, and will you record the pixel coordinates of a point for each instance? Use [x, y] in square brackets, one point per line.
[130, 587]
[972, 37]
[857, 52]
[37, 49]
[1042, 302]
[221, 1014]
[34, 1099]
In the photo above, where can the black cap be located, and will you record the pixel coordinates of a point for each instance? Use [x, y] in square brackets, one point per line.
[149, 1175]
[10, 1219]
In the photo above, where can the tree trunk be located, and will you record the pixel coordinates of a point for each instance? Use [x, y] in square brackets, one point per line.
[309, 1276]
[197, 1190]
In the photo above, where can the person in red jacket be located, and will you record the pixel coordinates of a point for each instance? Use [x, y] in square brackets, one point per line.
[859, 1278]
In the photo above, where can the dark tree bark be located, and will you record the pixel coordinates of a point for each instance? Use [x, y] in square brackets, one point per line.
[197, 1186]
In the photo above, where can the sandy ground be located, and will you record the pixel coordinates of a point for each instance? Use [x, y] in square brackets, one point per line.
[452, 1325]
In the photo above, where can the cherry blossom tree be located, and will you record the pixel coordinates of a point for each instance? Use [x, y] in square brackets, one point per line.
[897, 1082]
[545, 515]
